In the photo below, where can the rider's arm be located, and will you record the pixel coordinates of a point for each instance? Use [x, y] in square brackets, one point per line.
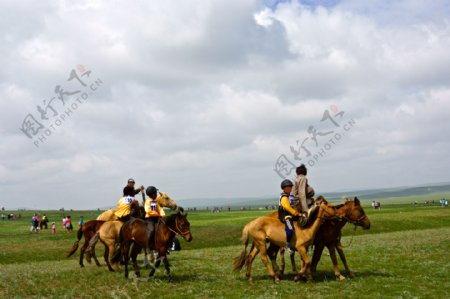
[287, 206]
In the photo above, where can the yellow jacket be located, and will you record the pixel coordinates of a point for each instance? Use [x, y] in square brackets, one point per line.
[124, 206]
[286, 204]
[153, 209]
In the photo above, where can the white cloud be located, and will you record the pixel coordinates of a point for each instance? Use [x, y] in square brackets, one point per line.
[214, 92]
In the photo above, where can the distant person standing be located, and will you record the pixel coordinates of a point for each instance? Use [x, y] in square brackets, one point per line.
[3, 216]
[80, 222]
[53, 227]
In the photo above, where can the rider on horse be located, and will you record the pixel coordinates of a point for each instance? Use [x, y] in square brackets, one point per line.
[130, 185]
[302, 193]
[152, 212]
[123, 210]
[286, 212]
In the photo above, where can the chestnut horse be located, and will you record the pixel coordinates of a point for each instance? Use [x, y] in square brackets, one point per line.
[136, 232]
[89, 230]
[329, 235]
[109, 233]
[265, 229]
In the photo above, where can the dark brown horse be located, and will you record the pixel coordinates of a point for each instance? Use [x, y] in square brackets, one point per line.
[329, 235]
[89, 230]
[136, 232]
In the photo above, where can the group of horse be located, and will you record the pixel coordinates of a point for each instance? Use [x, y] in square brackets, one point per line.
[323, 230]
[125, 240]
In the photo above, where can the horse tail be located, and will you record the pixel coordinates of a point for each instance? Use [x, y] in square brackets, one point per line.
[239, 261]
[80, 232]
[75, 245]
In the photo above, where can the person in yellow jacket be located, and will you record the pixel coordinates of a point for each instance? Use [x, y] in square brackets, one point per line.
[152, 212]
[286, 212]
[123, 211]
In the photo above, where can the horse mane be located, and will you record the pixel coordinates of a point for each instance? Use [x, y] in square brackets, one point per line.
[171, 218]
[339, 206]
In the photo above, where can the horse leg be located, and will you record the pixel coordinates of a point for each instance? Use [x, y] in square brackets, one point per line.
[283, 262]
[248, 263]
[337, 273]
[294, 267]
[146, 263]
[340, 250]
[272, 252]
[263, 251]
[318, 249]
[134, 253]
[91, 250]
[106, 256]
[94, 256]
[304, 269]
[82, 250]
[167, 266]
[156, 265]
[126, 255]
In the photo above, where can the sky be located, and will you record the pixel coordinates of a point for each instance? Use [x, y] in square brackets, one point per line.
[219, 99]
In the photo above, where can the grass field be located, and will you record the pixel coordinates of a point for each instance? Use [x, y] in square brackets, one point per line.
[404, 255]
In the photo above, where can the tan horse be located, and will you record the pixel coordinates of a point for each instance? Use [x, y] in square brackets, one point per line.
[108, 234]
[163, 200]
[271, 229]
[329, 235]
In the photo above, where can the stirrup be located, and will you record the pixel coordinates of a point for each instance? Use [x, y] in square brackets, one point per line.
[289, 249]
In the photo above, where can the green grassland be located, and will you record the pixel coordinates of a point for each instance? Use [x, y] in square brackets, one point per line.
[404, 255]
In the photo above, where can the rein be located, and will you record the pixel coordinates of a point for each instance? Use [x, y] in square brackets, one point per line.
[179, 232]
[355, 223]
[351, 240]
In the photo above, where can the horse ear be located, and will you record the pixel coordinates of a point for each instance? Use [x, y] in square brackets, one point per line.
[357, 202]
[160, 194]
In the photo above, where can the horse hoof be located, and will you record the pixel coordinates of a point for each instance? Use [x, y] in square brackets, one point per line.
[250, 279]
[340, 277]
[297, 278]
[276, 280]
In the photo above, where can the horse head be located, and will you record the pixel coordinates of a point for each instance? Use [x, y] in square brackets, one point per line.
[355, 213]
[182, 224]
[164, 200]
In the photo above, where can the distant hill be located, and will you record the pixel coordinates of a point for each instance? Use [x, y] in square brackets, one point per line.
[369, 194]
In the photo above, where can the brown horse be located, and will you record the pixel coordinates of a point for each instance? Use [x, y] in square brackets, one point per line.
[109, 235]
[265, 229]
[136, 232]
[89, 230]
[329, 235]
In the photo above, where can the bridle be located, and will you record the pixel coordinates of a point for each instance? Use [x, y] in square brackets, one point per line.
[357, 221]
[179, 232]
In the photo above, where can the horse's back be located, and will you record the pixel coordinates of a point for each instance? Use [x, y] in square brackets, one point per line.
[107, 215]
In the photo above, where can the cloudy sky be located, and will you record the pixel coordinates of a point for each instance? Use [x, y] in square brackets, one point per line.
[202, 98]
